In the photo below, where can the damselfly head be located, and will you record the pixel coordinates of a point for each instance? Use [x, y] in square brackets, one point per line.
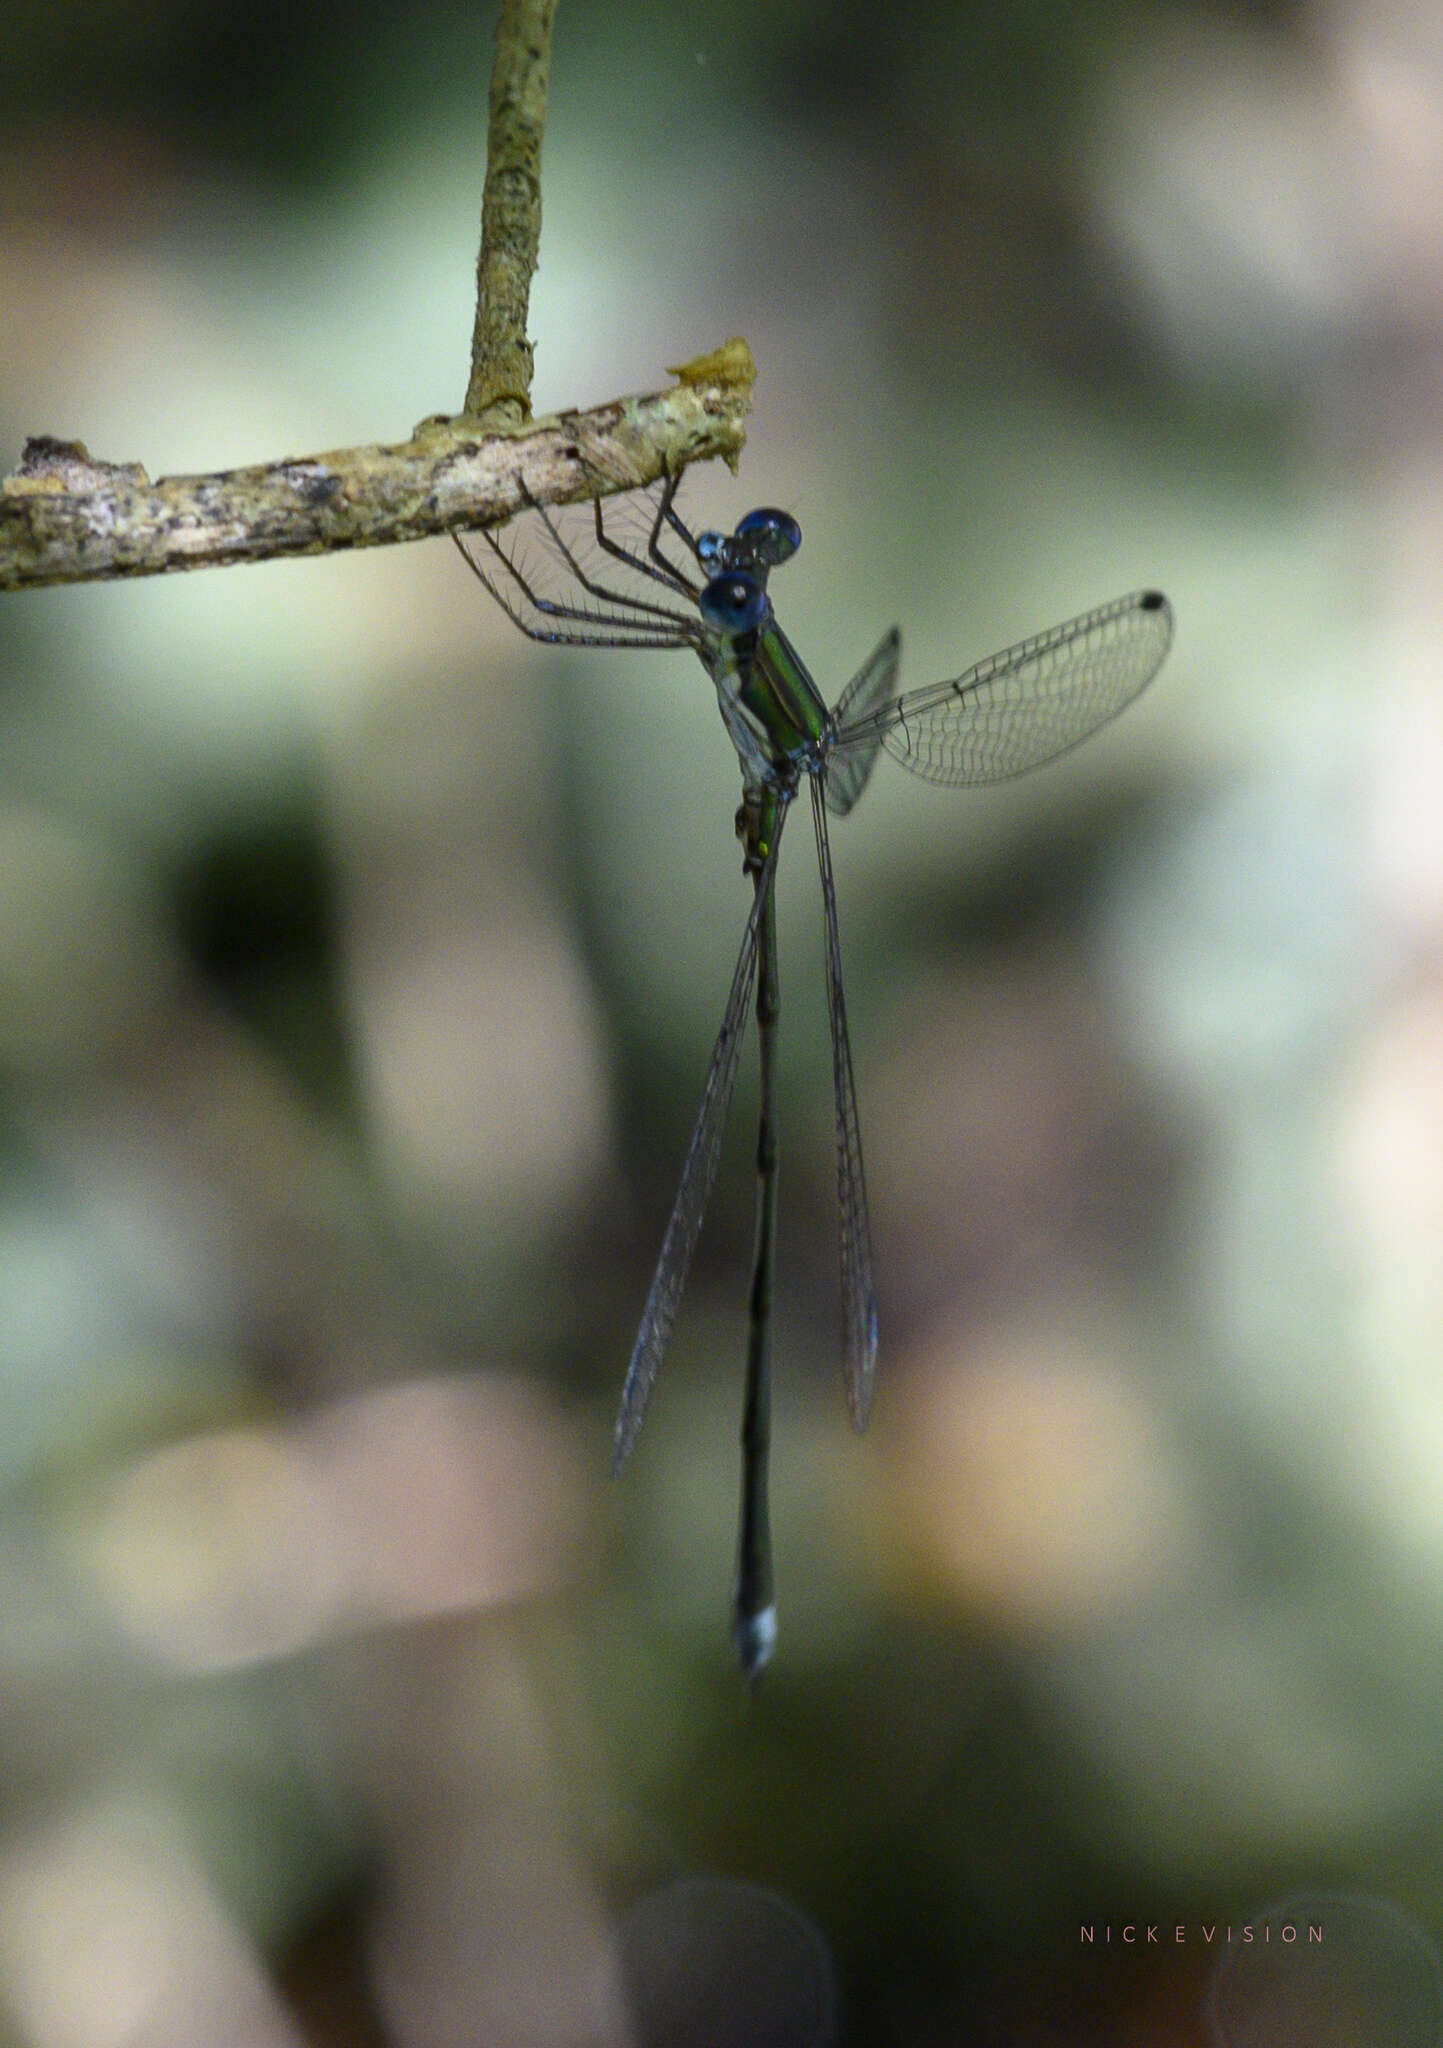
[767, 536]
[762, 539]
[733, 604]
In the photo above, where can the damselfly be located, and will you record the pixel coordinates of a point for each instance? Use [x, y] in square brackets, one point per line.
[1009, 713]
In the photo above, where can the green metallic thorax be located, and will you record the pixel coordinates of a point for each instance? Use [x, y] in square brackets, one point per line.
[781, 696]
[771, 706]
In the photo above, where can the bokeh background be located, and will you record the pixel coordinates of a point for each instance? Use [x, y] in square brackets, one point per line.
[359, 963]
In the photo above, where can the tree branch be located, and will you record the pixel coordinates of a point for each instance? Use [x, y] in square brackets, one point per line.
[65, 518]
[501, 357]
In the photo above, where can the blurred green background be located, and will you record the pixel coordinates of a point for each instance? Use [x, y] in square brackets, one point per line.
[359, 964]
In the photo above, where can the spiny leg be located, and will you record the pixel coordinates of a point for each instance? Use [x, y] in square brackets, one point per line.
[509, 605]
[667, 511]
[602, 630]
[678, 525]
[657, 566]
[625, 599]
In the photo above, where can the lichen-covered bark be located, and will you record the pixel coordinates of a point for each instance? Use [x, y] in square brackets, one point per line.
[66, 518]
[501, 356]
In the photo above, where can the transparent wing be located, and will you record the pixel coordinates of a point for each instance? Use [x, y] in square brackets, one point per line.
[1028, 704]
[872, 687]
[698, 1174]
[859, 1305]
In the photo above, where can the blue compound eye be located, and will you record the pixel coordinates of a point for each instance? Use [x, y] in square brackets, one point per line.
[733, 604]
[711, 550]
[769, 536]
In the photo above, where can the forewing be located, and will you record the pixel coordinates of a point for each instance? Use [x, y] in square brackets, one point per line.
[859, 1304]
[1032, 702]
[697, 1176]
